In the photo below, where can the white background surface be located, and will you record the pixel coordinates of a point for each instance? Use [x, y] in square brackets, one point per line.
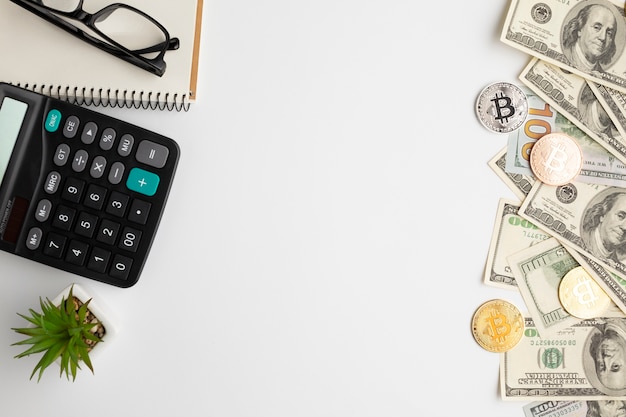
[323, 247]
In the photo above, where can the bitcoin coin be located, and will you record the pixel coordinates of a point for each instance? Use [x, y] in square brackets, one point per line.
[581, 296]
[497, 325]
[502, 107]
[556, 159]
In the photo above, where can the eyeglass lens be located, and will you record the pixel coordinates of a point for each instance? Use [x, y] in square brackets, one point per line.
[61, 5]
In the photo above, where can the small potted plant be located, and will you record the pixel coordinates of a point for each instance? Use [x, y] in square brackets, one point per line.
[68, 330]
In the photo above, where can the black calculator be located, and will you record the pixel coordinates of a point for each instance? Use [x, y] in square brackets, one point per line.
[80, 191]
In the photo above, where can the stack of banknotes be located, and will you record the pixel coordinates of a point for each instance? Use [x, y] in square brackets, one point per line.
[575, 83]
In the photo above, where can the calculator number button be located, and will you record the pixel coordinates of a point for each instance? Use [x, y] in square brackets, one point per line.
[52, 182]
[71, 127]
[95, 197]
[117, 204]
[130, 239]
[64, 217]
[108, 232]
[73, 190]
[77, 253]
[120, 267]
[152, 154]
[55, 245]
[42, 212]
[142, 181]
[86, 224]
[98, 260]
[61, 155]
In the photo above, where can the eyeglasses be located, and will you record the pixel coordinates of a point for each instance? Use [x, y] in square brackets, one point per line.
[120, 29]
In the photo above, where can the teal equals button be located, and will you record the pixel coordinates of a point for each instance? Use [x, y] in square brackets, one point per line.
[53, 120]
[142, 181]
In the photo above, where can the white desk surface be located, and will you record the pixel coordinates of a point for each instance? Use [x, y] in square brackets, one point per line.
[322, 250]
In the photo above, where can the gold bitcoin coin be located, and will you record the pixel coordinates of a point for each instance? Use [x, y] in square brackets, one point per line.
[581, 296]
[497, 325]
[556, 159]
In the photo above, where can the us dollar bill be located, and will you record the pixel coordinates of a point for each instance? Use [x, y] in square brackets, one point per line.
[568, 408]
[562, 33]
[511, 234]
[519, 184]
[538, 270]
[571, 364]
[614, 102]
[539, 122]
[587, 217]
[582, 116]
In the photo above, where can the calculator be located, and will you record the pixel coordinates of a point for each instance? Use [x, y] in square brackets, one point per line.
[80, 191]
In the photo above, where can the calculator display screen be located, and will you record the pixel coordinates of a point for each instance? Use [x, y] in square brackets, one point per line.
[12, 114]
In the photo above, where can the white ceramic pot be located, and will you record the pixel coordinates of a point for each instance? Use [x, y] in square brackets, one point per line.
[98, 310]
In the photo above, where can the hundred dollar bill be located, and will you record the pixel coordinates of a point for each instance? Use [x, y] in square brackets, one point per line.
[614, 102]
[576, 363]
[511, 234]
[538, 271]
[588, 217]
[573, 408]
[540, 121]
[581, 36]
[520, 184]
[582, 116]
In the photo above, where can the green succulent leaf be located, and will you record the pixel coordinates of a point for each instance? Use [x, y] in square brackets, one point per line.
[65, 360]
[41, 346]
[48, 358]
[60, 333]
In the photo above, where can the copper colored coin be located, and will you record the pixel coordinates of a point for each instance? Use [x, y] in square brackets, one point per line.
[556, 159]
[497, 325]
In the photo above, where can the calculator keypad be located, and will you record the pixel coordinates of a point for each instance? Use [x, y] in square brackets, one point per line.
[101, 198]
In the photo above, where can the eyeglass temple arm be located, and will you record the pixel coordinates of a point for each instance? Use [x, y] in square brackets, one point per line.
[172, 45]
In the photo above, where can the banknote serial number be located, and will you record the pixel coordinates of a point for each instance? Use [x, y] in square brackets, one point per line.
[553, 343]
[535, 235]
[564, 411]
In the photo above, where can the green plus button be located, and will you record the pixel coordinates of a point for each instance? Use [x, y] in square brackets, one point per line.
[142, 181]
[53, 121]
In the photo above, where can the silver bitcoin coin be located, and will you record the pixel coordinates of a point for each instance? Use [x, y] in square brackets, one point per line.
[502, 107]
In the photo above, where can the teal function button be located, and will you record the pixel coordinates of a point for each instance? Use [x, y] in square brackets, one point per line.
[53, 121]
[142, 181]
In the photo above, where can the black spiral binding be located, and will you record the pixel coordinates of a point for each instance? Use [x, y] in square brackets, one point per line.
[112, 98]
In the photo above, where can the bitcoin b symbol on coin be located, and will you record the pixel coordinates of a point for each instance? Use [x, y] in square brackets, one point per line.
[502, 107]
[502, 102]
[556, 161]
[584, 292]
[499, 327]
[556, 158]
[581, 296]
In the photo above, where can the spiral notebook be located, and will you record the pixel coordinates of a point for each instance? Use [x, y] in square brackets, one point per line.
[40, 56]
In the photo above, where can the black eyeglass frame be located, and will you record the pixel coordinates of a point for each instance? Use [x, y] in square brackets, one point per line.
[154, 65]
